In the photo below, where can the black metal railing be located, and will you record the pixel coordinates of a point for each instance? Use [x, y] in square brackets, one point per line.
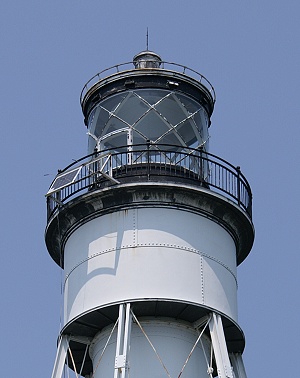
[149, 162]
[165, 66]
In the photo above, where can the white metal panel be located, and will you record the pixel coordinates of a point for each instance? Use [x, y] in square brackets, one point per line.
[150, 253]
[186, 229]
[148, 226]
[220, 287]
[141, 273]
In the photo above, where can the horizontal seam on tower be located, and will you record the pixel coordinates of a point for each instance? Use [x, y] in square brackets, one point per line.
[192, 250]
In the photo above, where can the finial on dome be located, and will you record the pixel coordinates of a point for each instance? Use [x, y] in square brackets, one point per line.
[147, 41]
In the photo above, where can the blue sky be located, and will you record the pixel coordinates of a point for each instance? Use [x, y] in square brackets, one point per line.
[249, 50]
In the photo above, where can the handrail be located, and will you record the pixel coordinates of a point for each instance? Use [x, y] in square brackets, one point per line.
[128, 66]
[150, 162]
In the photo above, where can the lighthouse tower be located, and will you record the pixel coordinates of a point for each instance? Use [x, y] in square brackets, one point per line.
[149, 228]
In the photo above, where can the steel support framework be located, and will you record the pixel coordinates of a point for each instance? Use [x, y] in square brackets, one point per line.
[228, 365]
[61, 354]
[123, 341]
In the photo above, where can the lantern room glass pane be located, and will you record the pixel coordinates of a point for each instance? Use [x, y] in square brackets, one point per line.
[187, 133]
[98, 122]
[170, 138]
[113, 102]
[152, 126]
[131, 109]
[171, 110]
[158, 115]
[118, 140]
[190, 105]
[152, 96]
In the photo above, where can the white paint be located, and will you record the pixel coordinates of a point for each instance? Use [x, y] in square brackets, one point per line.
[142, 253]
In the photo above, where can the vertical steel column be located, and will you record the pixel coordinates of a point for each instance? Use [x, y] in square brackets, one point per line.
[238, 365]
[123, 341]
[219, 346]
[61, 355]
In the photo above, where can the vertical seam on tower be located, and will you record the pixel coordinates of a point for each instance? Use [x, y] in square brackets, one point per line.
[202, 278]
[134, 227]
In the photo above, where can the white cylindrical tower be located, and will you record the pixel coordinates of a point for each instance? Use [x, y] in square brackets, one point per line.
[149, 229]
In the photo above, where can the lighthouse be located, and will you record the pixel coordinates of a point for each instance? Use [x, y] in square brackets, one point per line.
[149, 229]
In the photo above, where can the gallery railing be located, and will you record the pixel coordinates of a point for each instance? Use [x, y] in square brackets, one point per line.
[149, 162]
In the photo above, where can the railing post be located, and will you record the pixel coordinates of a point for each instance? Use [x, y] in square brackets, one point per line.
[249, 205]
[48, 207]
[201, 165]
[58, 193]
[95, 167]
[238, 169]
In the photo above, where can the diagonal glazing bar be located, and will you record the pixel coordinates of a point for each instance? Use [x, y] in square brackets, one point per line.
[113, 112]
[189, 116]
